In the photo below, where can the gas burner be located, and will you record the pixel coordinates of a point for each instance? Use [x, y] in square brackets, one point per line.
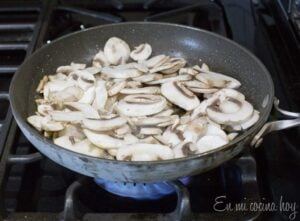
[139, 191]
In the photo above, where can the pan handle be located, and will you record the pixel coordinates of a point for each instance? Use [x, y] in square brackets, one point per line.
[276, 125]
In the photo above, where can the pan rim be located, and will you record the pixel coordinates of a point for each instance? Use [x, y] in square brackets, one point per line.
[24, 126]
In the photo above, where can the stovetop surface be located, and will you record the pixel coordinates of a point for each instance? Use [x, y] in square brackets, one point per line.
[260, 26]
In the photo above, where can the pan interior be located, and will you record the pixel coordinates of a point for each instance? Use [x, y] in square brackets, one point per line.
[174, 40]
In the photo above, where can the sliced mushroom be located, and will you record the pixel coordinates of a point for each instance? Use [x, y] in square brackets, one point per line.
[179, 95]
[56, 86]
[156, 61]
[171, 137]
[49, 125]
[104, 141]
[115, 72]
[190, 71]
[150, 131]
[116, 51]
[195, 129]
[141, 105]
[86, 109]
[231, 136]
[248, 123]
[93, 70]
[165, 113]
[69, 94]
[88, 96]
[170, 79]
[44, 109]
[72, 130]
[148, 77]
[218, 80]
[151, 121]
[182, 149]
[104, 124]
[244, 112]
[144, 151]
[141, 52]
[116, 88]
[41, 84]
[101, 95]
[143, 90]
[35, 121]
[123, 130]
[63, 116]
[209, 142]
[112, 152]
[100, 60]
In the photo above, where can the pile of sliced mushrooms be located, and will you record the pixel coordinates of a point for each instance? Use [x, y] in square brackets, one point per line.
[152, 108]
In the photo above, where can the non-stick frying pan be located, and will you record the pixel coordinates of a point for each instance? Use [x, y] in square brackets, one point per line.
[218, 52]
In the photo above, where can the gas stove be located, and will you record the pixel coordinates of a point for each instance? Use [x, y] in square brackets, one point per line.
[32, 187]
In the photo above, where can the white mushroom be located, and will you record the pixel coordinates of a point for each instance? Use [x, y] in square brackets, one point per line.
[144, 151]
[156, 61]
[64, 116]
[171, 137]
[100, 95]
[150, 121]
[44, 109]
[141, 52]
[183, 149]
[72, 130]
[246, 124]
[49, 125]
[116, 88]
[86, 109]
[69, 94]
[116, 51]
[170, 79]
[88, 96]
[35, 121]
[104, 141]
[209, 142]
[150, 131]
[179, 95]
[218, 80]
[195, 129]
[104, 124]
[93, 70]
[143, 90]
[115, 72]
[148, 77]
[100, 60]
[141, 105]
[55, 86]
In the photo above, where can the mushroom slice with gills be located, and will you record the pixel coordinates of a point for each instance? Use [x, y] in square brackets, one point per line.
[248, 123]
[141, 52]
[64, 116]
[179, 95]
[156, 61]
[104, 124]
[86, 109]
[218, 80]
[102, 140]
[83, 78]
[100, 60]
[130, 139]
[210, 142]
[144, 151]
[171, 137]
[172, 66]
[183, 149]
[100, 95]
[143, 90]
[116, 88]
[88, 96]
[141, 105]
[44, 109]
[116, 72]
[116, 51]
[55, 86]
[150, 131]
[148, 77]
[73, 130]
[170, 79]
[35, 121]
[195, 129]
[236, 113]
[69, 94]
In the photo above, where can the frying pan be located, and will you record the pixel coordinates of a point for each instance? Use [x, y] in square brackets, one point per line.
[221, 54]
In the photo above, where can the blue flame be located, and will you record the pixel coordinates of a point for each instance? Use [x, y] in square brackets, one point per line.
[139, 191]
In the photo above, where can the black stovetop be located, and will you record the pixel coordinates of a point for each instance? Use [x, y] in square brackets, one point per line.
[33, 187]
